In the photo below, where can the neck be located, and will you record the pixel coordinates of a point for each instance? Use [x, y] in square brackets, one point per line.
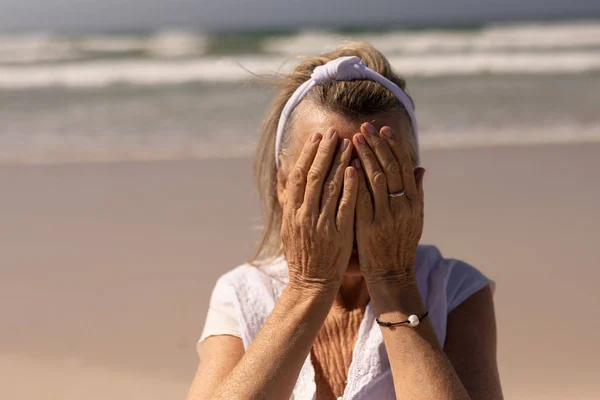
[353, 294]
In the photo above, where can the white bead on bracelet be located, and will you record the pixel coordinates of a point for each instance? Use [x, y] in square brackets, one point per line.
[412, 321]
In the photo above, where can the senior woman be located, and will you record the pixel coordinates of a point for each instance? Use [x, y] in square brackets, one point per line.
[340, 300]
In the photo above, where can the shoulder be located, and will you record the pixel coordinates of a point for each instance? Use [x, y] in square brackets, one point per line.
[250, 288]
[242, 298]
[456, 279]
[247, 294]
[236, 275]
[247, 276]
[445, 283]
[237, 286]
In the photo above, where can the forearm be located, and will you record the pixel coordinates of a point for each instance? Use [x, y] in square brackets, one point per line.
[270, 367]
[419, 366]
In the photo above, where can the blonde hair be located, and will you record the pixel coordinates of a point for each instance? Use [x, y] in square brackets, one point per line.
[353, 99]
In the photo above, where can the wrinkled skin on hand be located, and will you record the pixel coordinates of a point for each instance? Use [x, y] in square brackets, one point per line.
[318, 214]
[388, 230]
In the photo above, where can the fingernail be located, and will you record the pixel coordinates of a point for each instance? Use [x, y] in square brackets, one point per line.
[316, 137]
[349, 173]
[344, 144]
[387, 132]
[361, 139]
[370, 128]
[330, 134]
[357, 164]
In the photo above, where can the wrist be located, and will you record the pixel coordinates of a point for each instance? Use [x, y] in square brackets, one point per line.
[313, 303]
[398, 297]
[311, 289]
[394, 279]
[394, 291]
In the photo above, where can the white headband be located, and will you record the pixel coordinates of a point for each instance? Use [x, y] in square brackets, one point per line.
[342, 69]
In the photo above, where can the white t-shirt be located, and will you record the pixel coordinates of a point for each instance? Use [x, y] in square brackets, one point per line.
[243, 298]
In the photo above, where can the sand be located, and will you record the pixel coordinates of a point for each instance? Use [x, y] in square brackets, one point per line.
[106, 269]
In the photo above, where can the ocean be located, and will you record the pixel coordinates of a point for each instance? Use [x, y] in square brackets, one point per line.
[184, 94]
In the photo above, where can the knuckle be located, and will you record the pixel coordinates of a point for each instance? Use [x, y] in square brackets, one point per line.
[370, 157]
[330, 229]
[326, 145]
[287, 211]
[364, 192]
[380, 144]
[365, 202]
[405, 160]
[297, 176]
[349, 187]
[392, 167]
[324, 149]
[343, 204]
[379, 179]
[379, 227]
[343, 208]
[295, 204]
[408, 168]
[386, 223]
[331, 188]
[304, 219]
[314, 175]
[308, 148]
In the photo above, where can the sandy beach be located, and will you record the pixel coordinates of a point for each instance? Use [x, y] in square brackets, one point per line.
[106, 269]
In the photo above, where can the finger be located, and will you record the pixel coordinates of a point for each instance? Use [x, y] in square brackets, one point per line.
[346, 210]
[375, 177]
[333, 184]
[401, 147]
[364, 202]
[319, 170]
[297, 179]
[384, 155]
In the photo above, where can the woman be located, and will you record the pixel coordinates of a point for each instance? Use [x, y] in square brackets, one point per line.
[340, 300]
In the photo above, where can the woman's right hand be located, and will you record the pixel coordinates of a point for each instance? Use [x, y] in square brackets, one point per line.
[318, 227]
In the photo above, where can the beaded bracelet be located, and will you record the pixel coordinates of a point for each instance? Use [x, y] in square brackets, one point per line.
[413, 321]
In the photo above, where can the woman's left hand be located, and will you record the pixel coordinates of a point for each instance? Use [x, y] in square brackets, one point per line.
[388, 229]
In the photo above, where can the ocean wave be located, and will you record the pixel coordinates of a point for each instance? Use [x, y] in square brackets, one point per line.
[164, 44]
[522, 37]
[57, 150]
[174, 57]
[104, 73]
[36, 48]
[131, 71]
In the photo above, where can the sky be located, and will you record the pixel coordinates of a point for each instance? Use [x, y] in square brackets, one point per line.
[93, 15]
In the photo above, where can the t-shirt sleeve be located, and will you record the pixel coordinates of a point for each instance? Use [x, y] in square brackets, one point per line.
[221, 318]
[463, 282]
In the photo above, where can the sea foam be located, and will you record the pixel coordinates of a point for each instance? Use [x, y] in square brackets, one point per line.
[212, 69]
[176, 57]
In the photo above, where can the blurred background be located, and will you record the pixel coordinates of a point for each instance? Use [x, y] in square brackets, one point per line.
[126, 136]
